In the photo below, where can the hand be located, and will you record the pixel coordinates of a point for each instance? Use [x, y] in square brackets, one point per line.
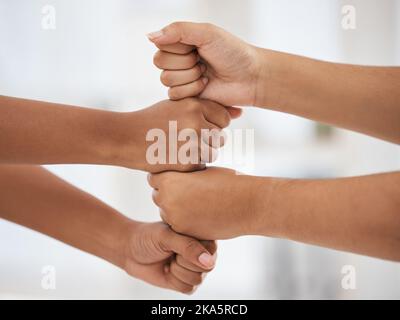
[200, 58]
[156, 254]
[215, 203]
[195, 114]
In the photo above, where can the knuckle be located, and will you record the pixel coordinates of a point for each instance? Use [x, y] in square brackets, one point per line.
[193, 105]
[208, 25]
[191, 246]
[192, 58]
[150, 179]
[161, 182]
[225, 118]
[197, 279]
[157, 59]
[195, 123]
[199, 85]
[175, 25]
[165, 78]
[155, 198]
[192, 167]
[166, 178]
[197, 71]
[174, 93]
[164, 216]
[187, 290]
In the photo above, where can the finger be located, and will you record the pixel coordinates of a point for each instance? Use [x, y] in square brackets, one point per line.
[234, 112]
[210, 245]
[172, 61]
[216, 114]
[163, 217]
[151, 179]
[188, 265]
[156, 198]
[190, 33]
[208, 154]
[187, 276]
[172, 78]
[214, 136]
[177, 284]
[178, 48]
[188, 90]
[190, 249]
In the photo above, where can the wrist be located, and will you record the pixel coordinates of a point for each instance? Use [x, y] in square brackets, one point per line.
[269, 81]
[103, 137]
[116, 245]
[269, 217]
[120, 145]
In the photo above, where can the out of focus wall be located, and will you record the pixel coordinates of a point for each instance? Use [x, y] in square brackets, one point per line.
[99, 56]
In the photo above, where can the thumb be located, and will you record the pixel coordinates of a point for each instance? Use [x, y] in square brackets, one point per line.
[234, 112]
[190, 33]
[190, 249]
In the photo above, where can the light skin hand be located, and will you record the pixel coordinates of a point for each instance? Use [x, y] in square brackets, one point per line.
[33, 197]
[360, 98]
[358, 214]
[226, 72]
[35, 132]
[215, 203]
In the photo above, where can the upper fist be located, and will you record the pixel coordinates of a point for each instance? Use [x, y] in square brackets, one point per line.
[202, 59]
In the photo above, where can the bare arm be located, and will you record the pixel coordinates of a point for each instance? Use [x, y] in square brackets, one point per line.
[359, 214]
[360, 98]
[364, 99]
[36, 132]
[33, 197]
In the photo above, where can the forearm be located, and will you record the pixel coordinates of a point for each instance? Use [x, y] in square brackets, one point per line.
[360, 214]
[364, 99]
[35, 132]
[33, 197]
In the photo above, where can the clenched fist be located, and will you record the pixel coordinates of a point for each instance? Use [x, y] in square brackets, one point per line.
[215, 203]
[205, 60]
[170, 135]
[157, 255]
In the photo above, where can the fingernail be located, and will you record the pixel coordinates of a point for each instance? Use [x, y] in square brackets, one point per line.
[154, 35]
[202, 68]
[204, 80]
[206, 260]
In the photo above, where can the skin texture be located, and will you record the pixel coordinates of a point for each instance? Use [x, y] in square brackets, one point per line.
[188, 113]
[360, 98]
[227, 213]
[35, 132]
[230, 65]
[359, 214]
[33, 197]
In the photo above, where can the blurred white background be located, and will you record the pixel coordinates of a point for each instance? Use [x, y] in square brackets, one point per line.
[99, 56]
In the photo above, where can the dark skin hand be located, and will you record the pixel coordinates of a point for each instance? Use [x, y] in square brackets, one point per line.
[33, 197]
